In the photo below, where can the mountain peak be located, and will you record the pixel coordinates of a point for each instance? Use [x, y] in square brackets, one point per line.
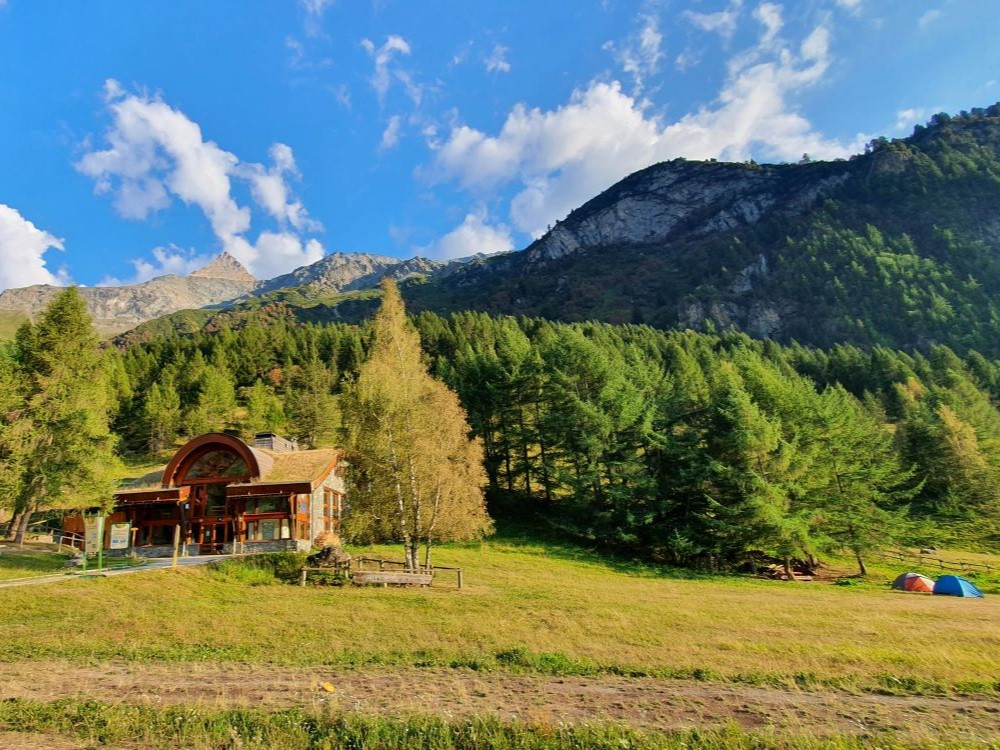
[225, 267]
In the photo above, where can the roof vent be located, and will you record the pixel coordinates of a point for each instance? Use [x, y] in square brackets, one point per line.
[272, 442]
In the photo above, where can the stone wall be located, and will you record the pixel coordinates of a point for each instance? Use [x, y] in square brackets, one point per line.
[157, 550]
[276, 545]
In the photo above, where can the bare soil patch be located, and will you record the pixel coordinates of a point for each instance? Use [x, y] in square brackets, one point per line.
[31, 741]
[645, 703]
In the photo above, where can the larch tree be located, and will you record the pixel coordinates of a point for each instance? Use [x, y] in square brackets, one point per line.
[417, 475]
[264, 411]
[63, 448]
[162, 415]
[309, 404]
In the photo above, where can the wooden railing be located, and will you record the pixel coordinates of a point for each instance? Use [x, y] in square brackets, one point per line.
[962, 566]
[380, 564]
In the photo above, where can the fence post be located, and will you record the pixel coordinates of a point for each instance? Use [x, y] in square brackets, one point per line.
[459, 578]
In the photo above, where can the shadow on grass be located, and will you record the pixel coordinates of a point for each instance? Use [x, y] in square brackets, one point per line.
[32, 561]
[536, 535]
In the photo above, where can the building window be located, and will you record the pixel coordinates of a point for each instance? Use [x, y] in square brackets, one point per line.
[268, 530]
[219, 463]
[267, 505]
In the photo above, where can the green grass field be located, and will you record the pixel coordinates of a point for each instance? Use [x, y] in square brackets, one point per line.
[32, 560]
[528, 608]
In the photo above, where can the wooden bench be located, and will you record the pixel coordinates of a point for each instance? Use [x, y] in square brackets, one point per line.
[362, 577]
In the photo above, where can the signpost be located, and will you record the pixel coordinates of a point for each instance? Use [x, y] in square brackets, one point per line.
[94, 539]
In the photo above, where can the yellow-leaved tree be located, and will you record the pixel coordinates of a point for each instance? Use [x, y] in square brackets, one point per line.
[416, 475]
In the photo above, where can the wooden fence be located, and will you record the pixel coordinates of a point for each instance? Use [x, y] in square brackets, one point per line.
[382, 563]
[961, 566]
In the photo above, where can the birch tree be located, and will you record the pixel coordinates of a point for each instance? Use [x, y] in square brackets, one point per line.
[417, 476]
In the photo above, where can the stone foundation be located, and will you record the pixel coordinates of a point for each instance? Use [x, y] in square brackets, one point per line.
[275, 545]
[246, 548]
[156, 550]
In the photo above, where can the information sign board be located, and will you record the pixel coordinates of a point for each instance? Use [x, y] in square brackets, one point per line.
[120, 535]
[93, 533]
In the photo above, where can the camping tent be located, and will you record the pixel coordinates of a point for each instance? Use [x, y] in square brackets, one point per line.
[913, 582]
[956, 586]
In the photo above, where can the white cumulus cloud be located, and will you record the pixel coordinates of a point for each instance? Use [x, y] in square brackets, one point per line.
[473, 235]
[907, 118]
[22, 252]
[156, 154]
[166, 260]
[561, 157]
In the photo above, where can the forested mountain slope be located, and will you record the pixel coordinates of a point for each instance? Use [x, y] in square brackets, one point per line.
[899, 246]
[687, 445]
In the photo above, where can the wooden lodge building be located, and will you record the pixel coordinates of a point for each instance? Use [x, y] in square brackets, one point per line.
[227, 496]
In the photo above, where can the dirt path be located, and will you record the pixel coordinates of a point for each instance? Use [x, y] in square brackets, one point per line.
[652, 704]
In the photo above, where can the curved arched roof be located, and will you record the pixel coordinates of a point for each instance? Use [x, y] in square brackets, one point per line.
[257, 462]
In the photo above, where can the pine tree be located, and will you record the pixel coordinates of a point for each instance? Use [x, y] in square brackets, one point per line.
[417, 476]
[64, 449]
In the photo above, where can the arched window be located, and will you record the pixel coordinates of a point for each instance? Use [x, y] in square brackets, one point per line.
[218, 463]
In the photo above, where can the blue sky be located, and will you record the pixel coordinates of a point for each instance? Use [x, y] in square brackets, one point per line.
[141, 138]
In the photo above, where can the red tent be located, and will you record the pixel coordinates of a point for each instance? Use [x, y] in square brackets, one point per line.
[914, 582]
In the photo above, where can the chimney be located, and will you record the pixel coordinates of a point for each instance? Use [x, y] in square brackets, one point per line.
[275, 443]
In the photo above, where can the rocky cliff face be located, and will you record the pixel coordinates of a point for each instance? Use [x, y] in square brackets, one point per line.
[344, 272]
[119, 308]
[666, 201]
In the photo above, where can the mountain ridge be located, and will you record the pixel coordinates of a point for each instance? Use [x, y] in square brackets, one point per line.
[898, 247]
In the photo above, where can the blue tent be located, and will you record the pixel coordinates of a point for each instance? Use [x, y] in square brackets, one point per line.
[956, 586]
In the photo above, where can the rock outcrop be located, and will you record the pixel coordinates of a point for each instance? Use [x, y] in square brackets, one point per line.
[680, 198]
[345, 272]
[119, 308]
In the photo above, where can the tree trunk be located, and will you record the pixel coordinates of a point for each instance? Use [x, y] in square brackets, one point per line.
[788, 570]
[12, 525]
[396, 475]
[505, 440]
[22, 527]
[524, 451]
[861, 563]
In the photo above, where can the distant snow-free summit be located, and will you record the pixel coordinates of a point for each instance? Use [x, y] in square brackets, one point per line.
[119, 308]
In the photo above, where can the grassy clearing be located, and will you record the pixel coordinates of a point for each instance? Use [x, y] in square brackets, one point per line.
[31, 560]
[9, 322]
[881, 572]
[527, 606]
[299, 729]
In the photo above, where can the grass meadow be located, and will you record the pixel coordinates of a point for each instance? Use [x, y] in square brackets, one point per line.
[134, 726]
[526, 606]
[32, 560]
